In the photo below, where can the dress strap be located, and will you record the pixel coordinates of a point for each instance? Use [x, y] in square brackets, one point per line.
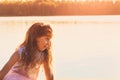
[20, 50]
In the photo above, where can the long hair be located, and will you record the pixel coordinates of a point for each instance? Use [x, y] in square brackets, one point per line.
[28, 56]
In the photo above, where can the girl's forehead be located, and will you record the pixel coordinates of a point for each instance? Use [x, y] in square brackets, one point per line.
[42, 37]
[48, 35]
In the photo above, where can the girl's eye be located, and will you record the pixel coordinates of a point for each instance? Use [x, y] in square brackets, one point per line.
[47, 38]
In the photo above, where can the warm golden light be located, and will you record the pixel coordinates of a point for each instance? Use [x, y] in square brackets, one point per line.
[83, 45]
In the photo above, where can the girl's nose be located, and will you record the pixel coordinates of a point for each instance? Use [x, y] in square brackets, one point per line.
[46, 42]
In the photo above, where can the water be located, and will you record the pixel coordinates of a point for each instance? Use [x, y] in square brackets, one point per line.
[84, 47]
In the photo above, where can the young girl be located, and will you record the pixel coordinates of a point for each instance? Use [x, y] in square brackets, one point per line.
[35, 51]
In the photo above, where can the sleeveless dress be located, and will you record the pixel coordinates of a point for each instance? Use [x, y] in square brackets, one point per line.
[19, 73]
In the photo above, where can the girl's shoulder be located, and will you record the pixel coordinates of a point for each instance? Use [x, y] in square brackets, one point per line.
[20, 49]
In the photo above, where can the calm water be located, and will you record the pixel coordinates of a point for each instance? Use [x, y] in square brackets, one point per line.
[84, 47]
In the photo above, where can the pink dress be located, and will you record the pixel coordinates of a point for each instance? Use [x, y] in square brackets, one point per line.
[17, 73]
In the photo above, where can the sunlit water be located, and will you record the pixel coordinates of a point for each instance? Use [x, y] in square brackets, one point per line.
[84, 47]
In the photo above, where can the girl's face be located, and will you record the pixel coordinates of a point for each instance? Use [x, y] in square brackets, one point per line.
[43, 42]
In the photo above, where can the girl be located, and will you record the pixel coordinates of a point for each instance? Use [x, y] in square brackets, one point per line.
[25, 62]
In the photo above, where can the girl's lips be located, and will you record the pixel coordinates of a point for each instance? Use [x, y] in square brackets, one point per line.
[46, 46]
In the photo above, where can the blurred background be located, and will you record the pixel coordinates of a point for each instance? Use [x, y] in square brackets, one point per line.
[86, 41]
[58, 7]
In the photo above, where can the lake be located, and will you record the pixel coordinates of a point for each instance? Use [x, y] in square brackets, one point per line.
[84, 47]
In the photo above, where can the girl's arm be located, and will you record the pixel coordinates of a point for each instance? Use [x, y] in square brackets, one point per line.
[13, 59]
[48, 71]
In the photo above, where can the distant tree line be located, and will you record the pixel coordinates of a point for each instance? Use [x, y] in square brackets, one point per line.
[52, 8]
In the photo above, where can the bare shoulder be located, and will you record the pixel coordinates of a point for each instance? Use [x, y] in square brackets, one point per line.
[14, 57]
